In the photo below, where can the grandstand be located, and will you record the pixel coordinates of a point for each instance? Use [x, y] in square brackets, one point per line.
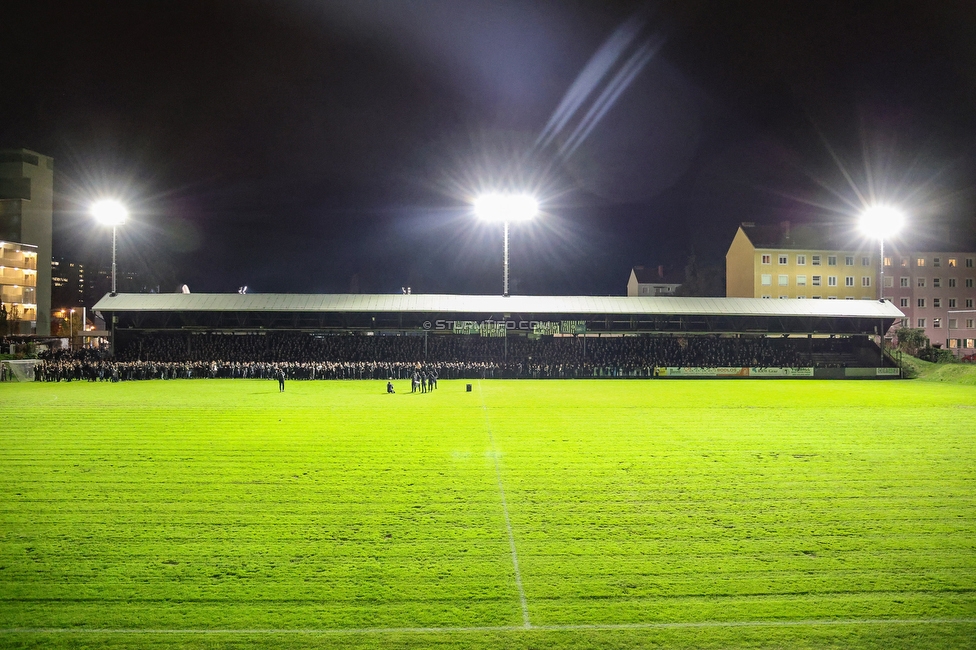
[493, 336]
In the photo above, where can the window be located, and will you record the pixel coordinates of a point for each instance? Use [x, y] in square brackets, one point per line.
[783, 297]
[865, 261]
[969, 325]
[783, 259]
[815, 297]
[936, 322]
[969, 303]
[936, 282]
[921, 322]
[849, 298]
[969, 283]
[970, 343]
[952, 303]
[904, 322]
[904, 302]
[952, 283]
[952, 262]
[801, 297]
[937, 303]
[849, 260]
[904, 262]
[889, 282]
[904, 282]
[921, 302]
[801, 259]
[887, 261]
[767, 279]
[952, 323]
[831, 260]
[816, 281]
[849, 281]
[936, 262]
[801, 280]
[767, 259]
[920, 262]
[831, 280]
[815, 260]
[766, 297]
[784, 280]
[865, 280]
[921, 282]
[831, 297]
[969, 262]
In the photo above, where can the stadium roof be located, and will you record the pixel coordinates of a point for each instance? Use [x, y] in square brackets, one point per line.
[471, 304]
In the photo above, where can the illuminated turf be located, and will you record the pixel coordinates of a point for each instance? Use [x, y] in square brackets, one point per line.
[336, 514]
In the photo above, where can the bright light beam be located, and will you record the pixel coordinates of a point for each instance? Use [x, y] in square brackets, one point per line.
[109, 212]
[506, 207]
[881, 221]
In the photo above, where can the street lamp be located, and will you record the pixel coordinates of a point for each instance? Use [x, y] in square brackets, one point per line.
[881, 221]
[506, 208]
[111, 213]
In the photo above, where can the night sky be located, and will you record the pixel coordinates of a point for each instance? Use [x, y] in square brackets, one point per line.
[297, 146]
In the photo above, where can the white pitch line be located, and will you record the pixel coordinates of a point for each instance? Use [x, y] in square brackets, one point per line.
[583, 627]
[508, 521]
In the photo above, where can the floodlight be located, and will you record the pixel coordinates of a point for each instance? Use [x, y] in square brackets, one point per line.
[506, 207]
[881, 221]
[109, 212]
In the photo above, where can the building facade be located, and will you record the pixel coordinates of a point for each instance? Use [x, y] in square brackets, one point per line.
[26, 218]
[935, 290]
[653, 281]
[766, 262]
[937, 293]
[68, 284]
[18, 286]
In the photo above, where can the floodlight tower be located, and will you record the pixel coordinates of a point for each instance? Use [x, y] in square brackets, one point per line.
[111, 213]
[881, 221]
[506, 208]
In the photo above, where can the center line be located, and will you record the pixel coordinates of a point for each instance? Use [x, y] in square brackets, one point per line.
[508, 521]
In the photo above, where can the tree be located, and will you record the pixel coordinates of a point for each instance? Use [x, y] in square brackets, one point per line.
[702, 280]
[911, 340]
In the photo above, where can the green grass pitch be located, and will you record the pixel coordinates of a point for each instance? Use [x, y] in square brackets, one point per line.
[525, 514]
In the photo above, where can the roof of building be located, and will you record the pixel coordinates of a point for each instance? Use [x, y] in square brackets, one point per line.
[472, 304]
[789, 236]
[842, 237]
[658, 275]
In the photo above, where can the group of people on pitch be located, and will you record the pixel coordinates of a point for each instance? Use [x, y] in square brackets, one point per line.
[423, 380]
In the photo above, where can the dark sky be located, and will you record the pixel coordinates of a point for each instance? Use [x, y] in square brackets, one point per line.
[303, 146]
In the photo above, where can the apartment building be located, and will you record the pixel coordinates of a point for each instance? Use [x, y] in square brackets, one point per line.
[935, 290]
[774, 262]
[26, 217]
[653, 281]
[937, 293]
[18, 286]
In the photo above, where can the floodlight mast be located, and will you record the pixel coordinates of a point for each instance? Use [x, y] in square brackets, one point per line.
[881, 221]
[505, 208]
[111, 213]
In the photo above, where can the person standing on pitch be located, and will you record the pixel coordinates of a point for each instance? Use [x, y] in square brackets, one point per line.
[432, 379]
[281, 380]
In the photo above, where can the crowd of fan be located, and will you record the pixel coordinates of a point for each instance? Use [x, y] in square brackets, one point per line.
[306, 356]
